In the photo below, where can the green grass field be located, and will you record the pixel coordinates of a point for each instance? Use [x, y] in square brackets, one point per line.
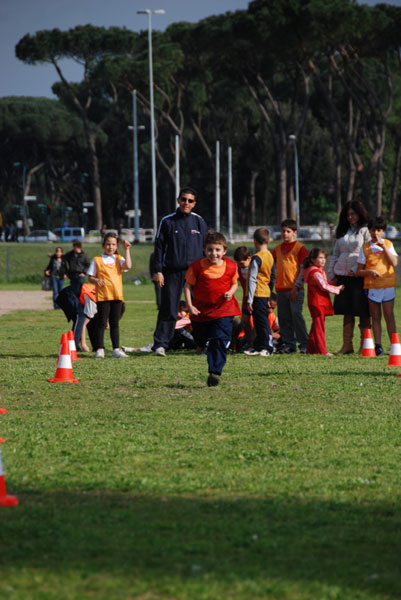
[141, 482]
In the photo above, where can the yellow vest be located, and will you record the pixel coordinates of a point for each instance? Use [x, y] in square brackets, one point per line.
[378, 261]
[287, 267]
[263, 280]
[111, 274]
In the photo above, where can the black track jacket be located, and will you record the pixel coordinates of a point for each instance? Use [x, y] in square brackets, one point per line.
[179, 241]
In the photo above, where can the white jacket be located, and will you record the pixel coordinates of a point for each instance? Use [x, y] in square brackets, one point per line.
[346, 252]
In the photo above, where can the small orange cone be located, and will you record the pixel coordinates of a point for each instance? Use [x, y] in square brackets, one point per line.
[63, 340]
[3, 411]
[64, 366]
[73, 348]
[5, 500]
[395, 352]
[368, 348]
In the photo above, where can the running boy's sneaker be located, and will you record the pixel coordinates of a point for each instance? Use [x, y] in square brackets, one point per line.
[265, 352]
[379, 350]
[100, 353]
[252, 352]
[147, 348]
[118, 353]
[213, 380]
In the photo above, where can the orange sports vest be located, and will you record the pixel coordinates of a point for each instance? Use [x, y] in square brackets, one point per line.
[287, 268]
[87, 289]
[263, 280]
[378, 262]
[113, 288]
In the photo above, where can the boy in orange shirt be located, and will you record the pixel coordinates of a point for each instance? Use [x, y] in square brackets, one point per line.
[289, 256]
[210, 285]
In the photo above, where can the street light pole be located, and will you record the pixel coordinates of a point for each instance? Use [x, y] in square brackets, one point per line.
[293, 140]
[24, 215]
[152, 115]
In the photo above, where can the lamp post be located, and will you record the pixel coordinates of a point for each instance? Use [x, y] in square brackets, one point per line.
[135, 128]
[152, 116]
[293, 140]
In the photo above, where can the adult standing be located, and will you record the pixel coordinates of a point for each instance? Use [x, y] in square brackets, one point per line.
[77, 265]
[351, 234]
[56, 270]
[178, 243]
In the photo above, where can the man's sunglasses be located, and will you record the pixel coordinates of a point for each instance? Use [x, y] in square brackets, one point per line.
[186, 199]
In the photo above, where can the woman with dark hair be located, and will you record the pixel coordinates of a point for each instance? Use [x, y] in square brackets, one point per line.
[351, 234]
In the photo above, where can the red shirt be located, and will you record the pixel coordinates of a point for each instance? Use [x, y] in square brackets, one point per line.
[208, 292]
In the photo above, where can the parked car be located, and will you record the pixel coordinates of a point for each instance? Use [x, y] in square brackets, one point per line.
[391, 232]
[69, 234]
[41, 235]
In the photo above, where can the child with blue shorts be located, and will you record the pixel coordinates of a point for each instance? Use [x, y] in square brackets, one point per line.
[376, 263]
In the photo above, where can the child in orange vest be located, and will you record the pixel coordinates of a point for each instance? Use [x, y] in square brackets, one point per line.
[261, 277]
[376, 263]
[210, 285]
[319, 302]
[289, 256]
[105, 272]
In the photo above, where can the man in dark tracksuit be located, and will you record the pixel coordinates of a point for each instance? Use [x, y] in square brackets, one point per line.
[179, 241]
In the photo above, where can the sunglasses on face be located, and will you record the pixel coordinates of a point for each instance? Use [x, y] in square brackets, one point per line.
[185, 199]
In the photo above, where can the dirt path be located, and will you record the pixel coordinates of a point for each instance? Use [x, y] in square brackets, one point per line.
[26, 300]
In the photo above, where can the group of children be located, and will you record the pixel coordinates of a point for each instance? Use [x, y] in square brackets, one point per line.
[211, 283]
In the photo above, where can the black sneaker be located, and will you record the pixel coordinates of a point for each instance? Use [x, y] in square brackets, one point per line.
[379, 350]
[287, 349]
[213, 380]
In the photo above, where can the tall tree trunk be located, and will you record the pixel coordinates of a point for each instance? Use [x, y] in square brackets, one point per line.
[351, 180]
[282, 186]
[396, 181]
[95, 178]
[252, 196]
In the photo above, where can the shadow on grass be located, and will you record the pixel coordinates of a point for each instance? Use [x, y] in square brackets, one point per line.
[352, 547]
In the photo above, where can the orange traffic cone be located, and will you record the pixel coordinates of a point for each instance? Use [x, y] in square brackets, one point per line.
[368, 348]
[63, 340]
[64, 366]
[395, 352]
[3, 411]
[5, 500]
[73, 348]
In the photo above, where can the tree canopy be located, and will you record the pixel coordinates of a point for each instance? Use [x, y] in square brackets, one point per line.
[328, 73]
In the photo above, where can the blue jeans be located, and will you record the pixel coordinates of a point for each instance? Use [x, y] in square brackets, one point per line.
[57, 286]
[218, 333]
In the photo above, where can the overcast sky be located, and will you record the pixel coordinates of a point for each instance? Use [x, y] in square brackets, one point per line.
[18, 17]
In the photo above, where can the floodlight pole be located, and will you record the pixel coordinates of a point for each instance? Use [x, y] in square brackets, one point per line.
[149, 12]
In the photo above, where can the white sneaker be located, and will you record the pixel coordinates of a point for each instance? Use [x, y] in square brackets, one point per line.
[128, 349]
[118, 353]
[252, 352]
[147, 348]
[265, 353]
[160, 351]
[100, 353]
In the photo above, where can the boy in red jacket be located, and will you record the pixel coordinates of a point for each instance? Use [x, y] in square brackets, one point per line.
[210, 285]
